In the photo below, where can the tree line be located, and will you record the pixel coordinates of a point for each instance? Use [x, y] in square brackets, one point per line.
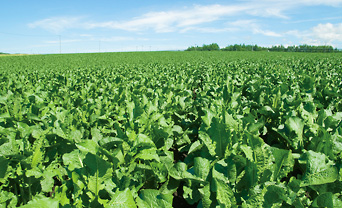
[281, 48]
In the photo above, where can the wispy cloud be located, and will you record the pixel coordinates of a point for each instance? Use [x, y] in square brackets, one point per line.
[89, 38]
[165, 21]
[314, 20]
[320, 2]
[320, 34]
[267, 32]
[202, 29]
[174, 20]
[64, 41]
[291, 3]
[200, 18]
[120, 38]
[58, 24]
[253, 26]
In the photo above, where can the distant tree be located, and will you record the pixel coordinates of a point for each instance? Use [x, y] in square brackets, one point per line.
[211, 47]
[279, 48]
[191, 48]
[244, 47]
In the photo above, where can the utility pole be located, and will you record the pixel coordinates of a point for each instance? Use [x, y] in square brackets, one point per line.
[99, 46]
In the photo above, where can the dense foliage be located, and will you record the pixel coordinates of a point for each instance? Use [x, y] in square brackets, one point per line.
[163, 129]
[210, 47]
[280, 48]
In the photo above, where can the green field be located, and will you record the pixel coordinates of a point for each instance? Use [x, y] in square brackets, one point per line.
[171, 129]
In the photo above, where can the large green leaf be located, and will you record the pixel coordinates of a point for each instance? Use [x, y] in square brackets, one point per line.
[205, 196]
[179, 171]
[122, 199]
[224, 194]
[4, 166]
[275, 195]
[9, 148]
[225, 170]
[319, 169]
[262, 155]
[216, 138]
[292, 132]
[295, 125]
[143, 140]
[99, 171]
[150, 198]
[328, 199]
[96, 135]
[197, 145]
[43, 202]
[7, 199]
[48, 182]
[74, 159]
[148, 154]
[284, 162]
[201, 167]
[255, 198]
[207, 118]
[88, 146]
[203, 135]
[220, 136]
[308, 82]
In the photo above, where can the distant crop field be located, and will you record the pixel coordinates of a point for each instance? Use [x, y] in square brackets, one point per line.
[4, 54]
[171, 129]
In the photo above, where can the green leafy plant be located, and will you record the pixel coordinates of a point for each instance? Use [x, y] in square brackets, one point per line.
[171, 129]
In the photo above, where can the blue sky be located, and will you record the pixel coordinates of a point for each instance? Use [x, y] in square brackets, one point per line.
[76, 26]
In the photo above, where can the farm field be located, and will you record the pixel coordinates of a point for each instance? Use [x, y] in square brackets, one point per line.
[171, 129]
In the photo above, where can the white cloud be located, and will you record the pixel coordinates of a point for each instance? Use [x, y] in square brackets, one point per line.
[279, 8]
[165, 21]
[243, 23]
[252, 26]
[174, 20]
[328, 32]
[320, 2]
[198, 17]
[321, 34]
[292, 3]
[266, 32]
[209, 29]
[314, 20]
[249, 25]
[58, 24]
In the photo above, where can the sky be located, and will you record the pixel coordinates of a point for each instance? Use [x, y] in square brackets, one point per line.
[81, 26]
